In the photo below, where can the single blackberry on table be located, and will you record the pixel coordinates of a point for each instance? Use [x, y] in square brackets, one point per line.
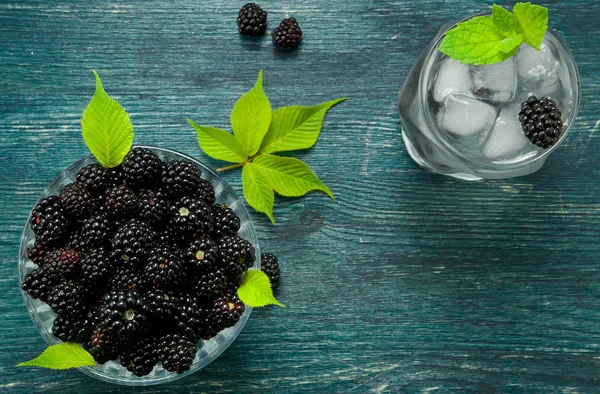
[164, 269]
[94, 177]
[201, 254]
[288, 34]
[189, 216]
[120, 202]
[181, 178]
[541, 121]
[37, 253]
[59, 265]
[154, 206]
[252, 20]
[124, 312]
[48, 222]
[270, 266]
[127, 278]
[96, 270]
[141, 355]
[132, 242]
[187, 316]
[96, 231]
[205, 192]
[177, 352]
[103, 345]
[78, 203]
[224, 221]
[228, 311]
[142, 168]
[236, 253]
[69, 299]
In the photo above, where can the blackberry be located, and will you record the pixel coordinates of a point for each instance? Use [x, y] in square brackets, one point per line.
[189, 216]
[132, 242]
[77, 202]
[201, 254]
[141, 356]
[171, 238]
[205, 192]
[181, 178]
[103, 345]
[210, 324]
[212, 285]
[120, 202]
[96, 232]
[68, 299]
[96, 270]
[541, 121]
[124, 312]
[94, 177]
[224, 221]
[236, 253]
[187, 316]
[163, 269]
[36, 254]
[154, 207]
[116, 176]
[69, 328]
[78, 242]
[142, 168]
[127, 278]
[288, 34]
[228, 311]
[177, 352]
[270, 266]
[162, 305]
[48, 222]
[252, 20]
[59, 265]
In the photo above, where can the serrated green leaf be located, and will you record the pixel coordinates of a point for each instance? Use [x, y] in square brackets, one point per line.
[219, 144]
[289, 177]
[251, 117]
[295, 127]
[259, 195]
[533, 19]
[505, 21]
[256, 291]
[106, 128]
[62, 356]
[476, 41]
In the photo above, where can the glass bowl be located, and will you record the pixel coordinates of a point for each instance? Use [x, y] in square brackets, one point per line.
[43, 316]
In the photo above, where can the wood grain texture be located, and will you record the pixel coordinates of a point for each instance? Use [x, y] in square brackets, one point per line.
[410, 282]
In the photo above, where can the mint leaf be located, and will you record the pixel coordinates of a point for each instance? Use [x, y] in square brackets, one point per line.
[62, 356]
[251, 117]
[256, 291]
[476, 41]
[289, 177]
[511, 44]
[505, 21]
[295, 127]
[106, 128]
[533, 19]
[219, 144]
[257, 191]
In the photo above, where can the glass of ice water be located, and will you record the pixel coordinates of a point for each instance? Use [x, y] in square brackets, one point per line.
[463, 120]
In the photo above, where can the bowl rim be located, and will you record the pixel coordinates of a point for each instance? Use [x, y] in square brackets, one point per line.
[133, 380]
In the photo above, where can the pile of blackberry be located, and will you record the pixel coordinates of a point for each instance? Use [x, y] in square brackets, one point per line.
[138, 262]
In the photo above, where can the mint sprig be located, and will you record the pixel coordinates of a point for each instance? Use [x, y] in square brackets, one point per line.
[256, 291]
[258, 132]
[493, 39]
[62, 356]
[106, 128]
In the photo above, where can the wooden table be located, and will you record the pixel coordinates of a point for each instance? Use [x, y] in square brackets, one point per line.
[410, 282]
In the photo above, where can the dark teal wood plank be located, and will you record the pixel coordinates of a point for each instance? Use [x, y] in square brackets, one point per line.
[409, 282]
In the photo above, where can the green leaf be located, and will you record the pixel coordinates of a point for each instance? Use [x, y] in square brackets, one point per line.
[533, 19]
[256, 291]
[106, 128]
[219, 144]
[62, 356]
[289, 177]
[257, 191]
[295, 127]
[505, 21]
[511, 44]
[476, 41]
[251, 117]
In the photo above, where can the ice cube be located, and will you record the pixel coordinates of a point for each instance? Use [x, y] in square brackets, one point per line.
[506, 140]
[496, 82]
[464, 115]
[534, 64]
[452, 77]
